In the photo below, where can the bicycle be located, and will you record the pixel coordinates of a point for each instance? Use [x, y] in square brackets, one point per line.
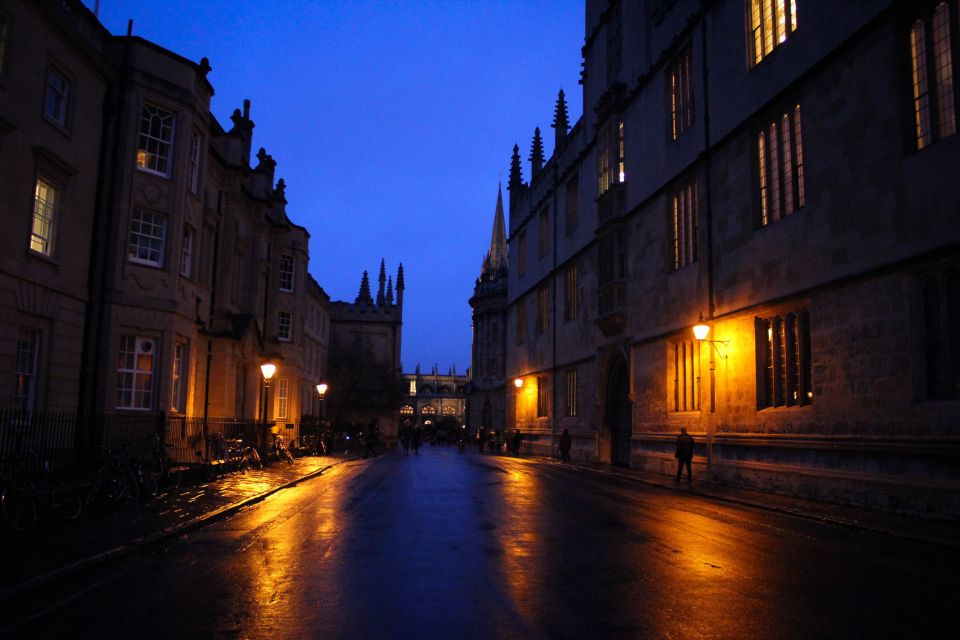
[17, 504]
[55, 493]
[114, 481]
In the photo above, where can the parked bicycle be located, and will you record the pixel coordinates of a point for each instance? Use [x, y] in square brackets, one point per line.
[115, 480]
[18, 506]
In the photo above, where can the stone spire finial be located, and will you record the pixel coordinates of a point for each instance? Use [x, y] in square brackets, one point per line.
[536, 154]
[400, 286]
[516, 173]
[390, 290]
[364, 296]
[381, 297]
[280, 191]
[561, 122]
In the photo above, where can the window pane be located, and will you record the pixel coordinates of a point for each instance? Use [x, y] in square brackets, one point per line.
[155, 140]
[921, 104]
[943, 68]
[44, 212]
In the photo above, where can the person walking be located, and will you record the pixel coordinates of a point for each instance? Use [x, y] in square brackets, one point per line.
[481, 438]
[565, 442]
[370, 441]
[684, 455]
[415, 439]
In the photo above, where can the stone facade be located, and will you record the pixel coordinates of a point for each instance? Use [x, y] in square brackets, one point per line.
[486, 397]
[787, 189]
[171, 269]
[435, 401]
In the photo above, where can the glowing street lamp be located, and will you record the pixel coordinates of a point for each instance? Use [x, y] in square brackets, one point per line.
[701, 330]
[268, 370]
[518, 382]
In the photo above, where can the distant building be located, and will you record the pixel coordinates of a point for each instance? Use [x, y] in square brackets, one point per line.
[783, 173]
[435, 402]
[486, 393]
[150, 269]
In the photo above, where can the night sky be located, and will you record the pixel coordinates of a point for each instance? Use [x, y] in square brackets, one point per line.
[391, 123]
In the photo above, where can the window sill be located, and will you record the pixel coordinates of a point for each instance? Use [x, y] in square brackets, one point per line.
[141, 263]
[59, 126]
[151, 172]
[36, 255]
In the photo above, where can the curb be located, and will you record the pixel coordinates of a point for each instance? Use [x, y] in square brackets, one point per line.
[138, 544]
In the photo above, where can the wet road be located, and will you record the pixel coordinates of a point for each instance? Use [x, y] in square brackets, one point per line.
[448, 545]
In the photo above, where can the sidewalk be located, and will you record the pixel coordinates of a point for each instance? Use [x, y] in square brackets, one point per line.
[56, 548]
[917, 528]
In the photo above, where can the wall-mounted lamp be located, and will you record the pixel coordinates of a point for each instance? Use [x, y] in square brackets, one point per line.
[268, 369]
[322, 389]
[702, 330]
[518, 382]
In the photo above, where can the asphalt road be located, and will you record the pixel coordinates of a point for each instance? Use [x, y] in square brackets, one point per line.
[463, 545]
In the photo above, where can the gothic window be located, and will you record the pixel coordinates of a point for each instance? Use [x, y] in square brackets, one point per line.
[771, 23]
[611, 167]
[571, 293]
[681, 95]
[684, 205]
[780, 164]
[543, 397]
[686, 375]
[783, 360]
[933, 54]
[570, 398]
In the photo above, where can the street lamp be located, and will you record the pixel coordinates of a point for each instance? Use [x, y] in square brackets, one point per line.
[322, 392]
[701, 330]
[518, 382]
[267, 369]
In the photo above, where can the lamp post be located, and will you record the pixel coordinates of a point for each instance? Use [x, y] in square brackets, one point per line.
[267, 369]
[322, 392]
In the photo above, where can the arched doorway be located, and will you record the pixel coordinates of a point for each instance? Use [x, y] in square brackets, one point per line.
[619, 412]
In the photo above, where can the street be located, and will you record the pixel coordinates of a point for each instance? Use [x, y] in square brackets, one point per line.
[463, 545]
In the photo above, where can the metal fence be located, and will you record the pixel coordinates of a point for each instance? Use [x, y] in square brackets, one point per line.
[67, 440]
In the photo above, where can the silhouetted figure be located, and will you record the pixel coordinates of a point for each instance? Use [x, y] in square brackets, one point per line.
[684, 455]
[415, 439]
[481, 438]
[565, 443]
[515, 442]
[405, 437]
[370, 441]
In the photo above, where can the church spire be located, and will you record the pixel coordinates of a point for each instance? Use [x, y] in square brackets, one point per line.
[381, 298]
[496, 258]
[401, 285]
[560, 120]
[536, 155]
[364, 296]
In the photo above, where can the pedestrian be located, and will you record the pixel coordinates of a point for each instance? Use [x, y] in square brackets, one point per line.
[481, 438]
[515, 442]
[370, 441]
[405, 437]
[565, 442]
[415, 439]
[684, 455]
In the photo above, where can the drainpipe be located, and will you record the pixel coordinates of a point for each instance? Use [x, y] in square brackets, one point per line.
[708, 214]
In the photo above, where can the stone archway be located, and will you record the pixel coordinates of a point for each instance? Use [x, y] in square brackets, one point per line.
[618, 414]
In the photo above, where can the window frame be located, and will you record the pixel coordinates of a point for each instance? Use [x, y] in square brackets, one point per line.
[59, 118]
[686, 388]
[571, 292]
[932, 99]
[186, 251]
[521, 320]
[543, 232]
[179, 376]
[136, 373]
[193, 163]
[287, 270]
[284, 329]
[282, 399]
[571, 204]
[784, 360]
[940, 306]
[780, 167]
[680, 91]
[48, 241]
[27, 367]
[144, 156]
[685, 223]
[159, 242]
[543, 309]
[570, 396]
[543, 397]
[757, 21]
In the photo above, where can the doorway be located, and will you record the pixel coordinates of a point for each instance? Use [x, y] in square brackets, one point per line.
[619, 413]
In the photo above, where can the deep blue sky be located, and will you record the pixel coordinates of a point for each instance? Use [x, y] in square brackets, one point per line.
[391, 123]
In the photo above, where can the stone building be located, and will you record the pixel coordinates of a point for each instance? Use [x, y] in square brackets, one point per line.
[781, 171]
[436, 402]
[486, 393]
[150, 268]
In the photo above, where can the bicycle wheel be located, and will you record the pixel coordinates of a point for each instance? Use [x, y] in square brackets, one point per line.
[65, 501]
[19, 508]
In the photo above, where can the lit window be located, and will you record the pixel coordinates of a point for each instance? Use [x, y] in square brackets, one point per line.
[685, 225]
[286, 273]
[932, 45]
[570, 401]
[283, 391]
[28, 352]
[178, 384]
[543, 398]
[186, 252]
[611, 167]
[148, 232]
[284, 325]
[55, 100]
[193, 173]
[45, 200]
[413, 387]
[681, 96]
[571, 293]
[780, 163]
[783, 359]
[686, 376]
[771, 23]
[155, 141]
[135, 372]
